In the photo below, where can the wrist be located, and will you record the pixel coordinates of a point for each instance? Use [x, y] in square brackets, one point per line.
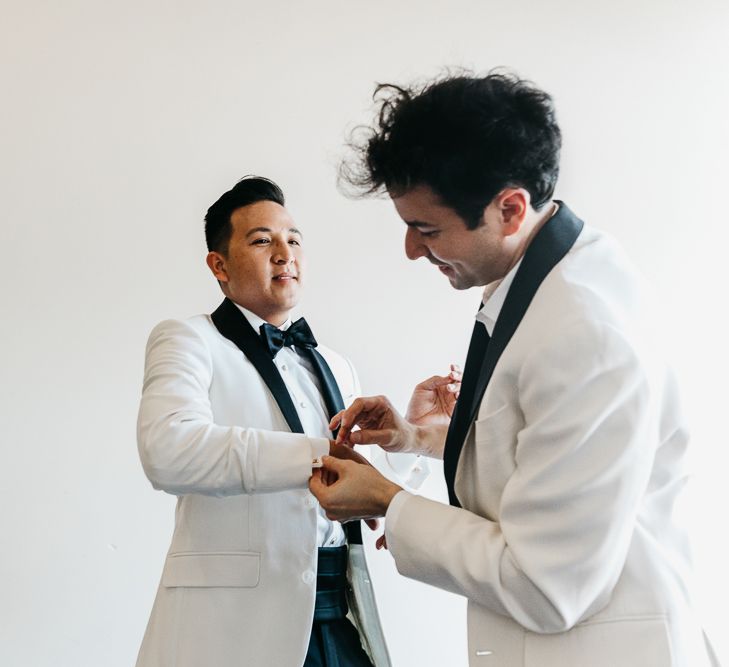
[386, 493]
[430, 440]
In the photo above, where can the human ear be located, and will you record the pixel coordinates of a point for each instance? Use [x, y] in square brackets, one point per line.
[216, 264]
[513, 205]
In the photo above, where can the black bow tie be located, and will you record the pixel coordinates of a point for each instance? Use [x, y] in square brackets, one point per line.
[297, 334]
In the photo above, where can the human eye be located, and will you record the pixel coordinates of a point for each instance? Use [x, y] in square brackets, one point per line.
[294, 242]
[429, 233]
[261, 241]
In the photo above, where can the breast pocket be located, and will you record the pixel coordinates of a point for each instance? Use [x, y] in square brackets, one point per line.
[488, 460]
[212, 569]
[496, 433]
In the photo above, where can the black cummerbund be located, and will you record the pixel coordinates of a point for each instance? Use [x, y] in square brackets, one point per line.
[331, 584]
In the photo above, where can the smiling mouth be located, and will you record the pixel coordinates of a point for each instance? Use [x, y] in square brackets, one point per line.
[285, 277]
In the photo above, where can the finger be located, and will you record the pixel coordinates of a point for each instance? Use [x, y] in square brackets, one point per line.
[334, 422]
[317, 485]
[328, 477]
[381, 542]
[372, 524]
[434, 382]
[333, 464]
[456, 368]
[348, 418]
[372, 437]
[347, 452]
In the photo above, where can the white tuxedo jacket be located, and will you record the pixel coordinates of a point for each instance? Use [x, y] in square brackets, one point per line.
[566, 547]
[239, 580]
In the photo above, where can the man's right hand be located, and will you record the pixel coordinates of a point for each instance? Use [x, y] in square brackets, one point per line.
[379, 424]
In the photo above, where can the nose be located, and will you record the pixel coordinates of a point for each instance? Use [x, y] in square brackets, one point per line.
[414, 247]
[283, 254]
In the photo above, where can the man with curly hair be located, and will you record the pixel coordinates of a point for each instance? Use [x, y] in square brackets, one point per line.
[564, 456]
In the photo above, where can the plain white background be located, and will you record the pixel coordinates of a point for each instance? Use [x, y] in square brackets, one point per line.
[122, 121]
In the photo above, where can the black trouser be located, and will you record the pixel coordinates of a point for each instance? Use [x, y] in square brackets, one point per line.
[334, 640]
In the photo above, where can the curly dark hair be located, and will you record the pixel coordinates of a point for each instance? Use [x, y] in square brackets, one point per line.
[466, 137]
[248, 190]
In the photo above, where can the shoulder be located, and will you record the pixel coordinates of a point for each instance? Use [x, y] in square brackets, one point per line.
[595, 281]
[194, 336]
[197, 326]
[592, 301]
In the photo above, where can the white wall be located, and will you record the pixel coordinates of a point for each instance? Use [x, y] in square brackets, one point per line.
[121, 122]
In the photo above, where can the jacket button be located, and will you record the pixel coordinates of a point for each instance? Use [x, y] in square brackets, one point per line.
[308, 577]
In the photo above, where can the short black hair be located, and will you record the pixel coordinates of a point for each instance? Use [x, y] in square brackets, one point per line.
[249, 190]
[466, 137]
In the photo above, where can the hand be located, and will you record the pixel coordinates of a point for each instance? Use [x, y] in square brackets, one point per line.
[359, 492]
[328, 476]
[346, 453]
[379, 424]
[433, 399]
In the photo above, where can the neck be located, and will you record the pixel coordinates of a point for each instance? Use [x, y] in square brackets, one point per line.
[276, 317]
[529, 228]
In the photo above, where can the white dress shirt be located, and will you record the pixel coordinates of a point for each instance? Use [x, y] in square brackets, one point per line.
[303, 387]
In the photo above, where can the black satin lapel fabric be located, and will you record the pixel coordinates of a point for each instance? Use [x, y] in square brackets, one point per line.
[547, 249]
[232, 324]
[334, 403]
[329, 386]
[459, 423]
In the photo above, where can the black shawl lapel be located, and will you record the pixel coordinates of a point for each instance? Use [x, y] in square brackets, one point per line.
[329, 386]
[549, 246]
[334, 403]
[232, 324]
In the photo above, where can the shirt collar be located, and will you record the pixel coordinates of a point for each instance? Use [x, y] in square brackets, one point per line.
[494, 295]
[256, 321]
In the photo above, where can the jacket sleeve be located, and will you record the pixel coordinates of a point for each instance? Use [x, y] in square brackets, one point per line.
[183, 450]
[568, 512]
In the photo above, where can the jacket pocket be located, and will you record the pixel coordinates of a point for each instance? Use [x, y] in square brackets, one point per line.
[635, 642]
[225, 569]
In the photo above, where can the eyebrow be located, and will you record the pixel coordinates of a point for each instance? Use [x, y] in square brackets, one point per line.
[268, 230]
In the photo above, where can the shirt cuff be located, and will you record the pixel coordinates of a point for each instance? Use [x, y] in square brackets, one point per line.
[319, 448]
[393, 511]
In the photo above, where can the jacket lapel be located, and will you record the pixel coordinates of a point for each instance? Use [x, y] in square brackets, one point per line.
[334, 403]
[232, 324]
[551, 243]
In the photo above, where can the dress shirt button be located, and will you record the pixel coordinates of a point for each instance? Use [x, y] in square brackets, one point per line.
[302, 404]
[284, 367]
[308, 577]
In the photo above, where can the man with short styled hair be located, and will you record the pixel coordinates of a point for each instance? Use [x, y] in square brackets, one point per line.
[564, 455]
[233, 419]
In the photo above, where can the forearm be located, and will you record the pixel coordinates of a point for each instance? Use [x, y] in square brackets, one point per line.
[461, 552]
[199, 457]
[184, 450]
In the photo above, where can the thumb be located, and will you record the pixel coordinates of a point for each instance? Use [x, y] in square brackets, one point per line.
[333, 463]
[316, 483]
[371, 437]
